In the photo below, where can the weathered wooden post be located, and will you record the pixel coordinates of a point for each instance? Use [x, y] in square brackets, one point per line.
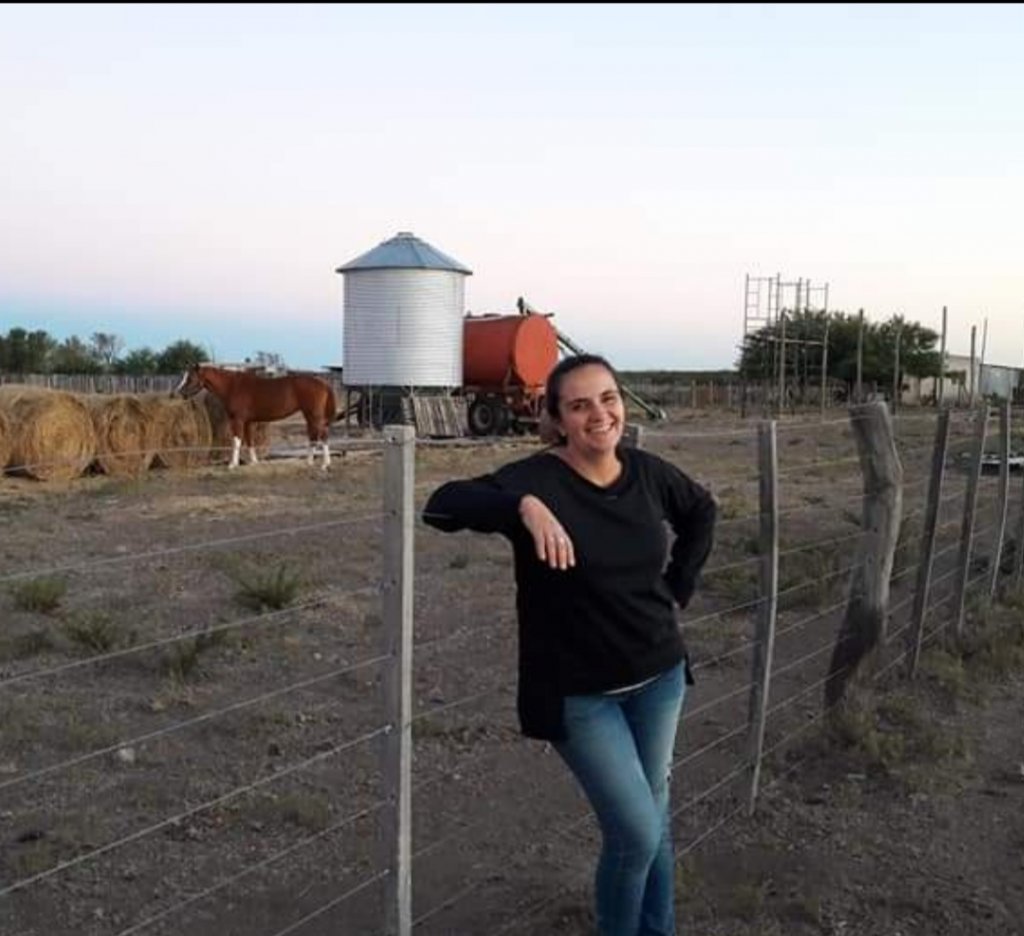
[863, 626]
[633, 435]
[396, 767]
[764, 646]
[967, 527]
[924, 570]
[1004, 497]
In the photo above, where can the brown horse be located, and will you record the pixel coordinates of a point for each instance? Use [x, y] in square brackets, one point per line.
[248, 398]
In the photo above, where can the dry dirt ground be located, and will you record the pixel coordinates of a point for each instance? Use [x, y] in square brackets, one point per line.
[178, 754]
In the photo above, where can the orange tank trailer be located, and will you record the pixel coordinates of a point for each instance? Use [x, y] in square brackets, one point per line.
[506, 360]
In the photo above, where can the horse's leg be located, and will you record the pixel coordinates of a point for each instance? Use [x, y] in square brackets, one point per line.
[316, 431]
[311, 446]
[327, 447]
[236, 442]
[250, 440]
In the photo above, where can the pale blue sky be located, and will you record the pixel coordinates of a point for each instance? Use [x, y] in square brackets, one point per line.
[199, 171]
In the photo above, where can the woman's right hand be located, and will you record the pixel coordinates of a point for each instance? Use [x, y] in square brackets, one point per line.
[549, 537]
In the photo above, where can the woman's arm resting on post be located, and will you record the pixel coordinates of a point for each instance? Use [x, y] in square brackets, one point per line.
[481, 505]
[477, 504]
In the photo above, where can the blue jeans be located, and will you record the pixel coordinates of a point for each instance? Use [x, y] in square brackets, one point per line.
[620, 747]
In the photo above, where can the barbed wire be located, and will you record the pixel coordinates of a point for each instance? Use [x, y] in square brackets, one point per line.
[189, 547]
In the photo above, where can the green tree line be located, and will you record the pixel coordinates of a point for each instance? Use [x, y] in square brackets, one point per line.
[37, 352]
[918, 355]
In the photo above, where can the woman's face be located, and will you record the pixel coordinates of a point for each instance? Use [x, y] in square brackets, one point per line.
[591, 414]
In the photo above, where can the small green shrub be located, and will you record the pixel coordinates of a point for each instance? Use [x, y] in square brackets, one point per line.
[96, 631]
[275, 589]
[41, 594]
[183, 660]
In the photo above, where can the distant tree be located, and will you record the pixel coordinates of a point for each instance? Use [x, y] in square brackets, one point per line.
[106, 348]
[74, 356]
[917, 355]
[176, 357]
[25, 352]
[138, 363]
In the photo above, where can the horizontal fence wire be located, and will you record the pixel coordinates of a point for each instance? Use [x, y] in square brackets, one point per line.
[274, 616]
[189, 547]
[202, 807]
[189, 723]
[263, 863]
[718, 700]
[711, 745]
[337, 901]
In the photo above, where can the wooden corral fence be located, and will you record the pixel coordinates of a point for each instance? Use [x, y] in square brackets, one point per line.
[122, 383]
[830, 573]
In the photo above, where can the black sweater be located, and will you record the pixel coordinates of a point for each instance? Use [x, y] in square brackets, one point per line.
[609, 621]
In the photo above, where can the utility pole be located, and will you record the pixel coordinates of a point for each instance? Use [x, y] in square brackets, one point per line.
[824, 370]
[859, 394]
[897, 384]
[942, 364]
[970, 382]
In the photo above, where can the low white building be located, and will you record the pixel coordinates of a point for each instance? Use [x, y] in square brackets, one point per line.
[990, 380]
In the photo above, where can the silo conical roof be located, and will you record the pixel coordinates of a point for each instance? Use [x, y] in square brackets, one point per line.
[404, 251]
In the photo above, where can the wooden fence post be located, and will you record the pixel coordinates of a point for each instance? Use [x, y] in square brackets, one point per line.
[1018, 557]
[765, 643]
[633, 435]
[863, 626]
[967, 527]
[924, 570]
[1004, 496]
[396, 821]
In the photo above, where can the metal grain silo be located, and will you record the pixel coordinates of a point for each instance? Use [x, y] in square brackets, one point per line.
[403, 309]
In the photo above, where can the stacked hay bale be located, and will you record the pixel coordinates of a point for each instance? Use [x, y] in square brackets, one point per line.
[5, 440]
[122, 440]
[51, 433]
[178, 431]
[222, 439]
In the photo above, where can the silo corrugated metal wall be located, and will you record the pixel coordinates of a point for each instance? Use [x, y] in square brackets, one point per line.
[403, 327]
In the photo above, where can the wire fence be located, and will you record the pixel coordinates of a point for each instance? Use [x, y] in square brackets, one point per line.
[292, 769]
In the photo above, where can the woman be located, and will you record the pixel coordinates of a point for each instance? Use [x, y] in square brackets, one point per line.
[602, 666]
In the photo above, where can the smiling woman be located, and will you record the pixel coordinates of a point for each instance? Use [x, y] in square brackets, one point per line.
[602, 665]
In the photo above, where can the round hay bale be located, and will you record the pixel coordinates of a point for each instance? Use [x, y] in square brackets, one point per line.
[177, 432]
[5, 440]
[51, 433]
[122, 439]
[222, 439]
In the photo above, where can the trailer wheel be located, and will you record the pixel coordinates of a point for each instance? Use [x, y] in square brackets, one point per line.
[487, 417]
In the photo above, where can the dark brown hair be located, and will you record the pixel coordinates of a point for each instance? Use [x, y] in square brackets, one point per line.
[552, 393]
